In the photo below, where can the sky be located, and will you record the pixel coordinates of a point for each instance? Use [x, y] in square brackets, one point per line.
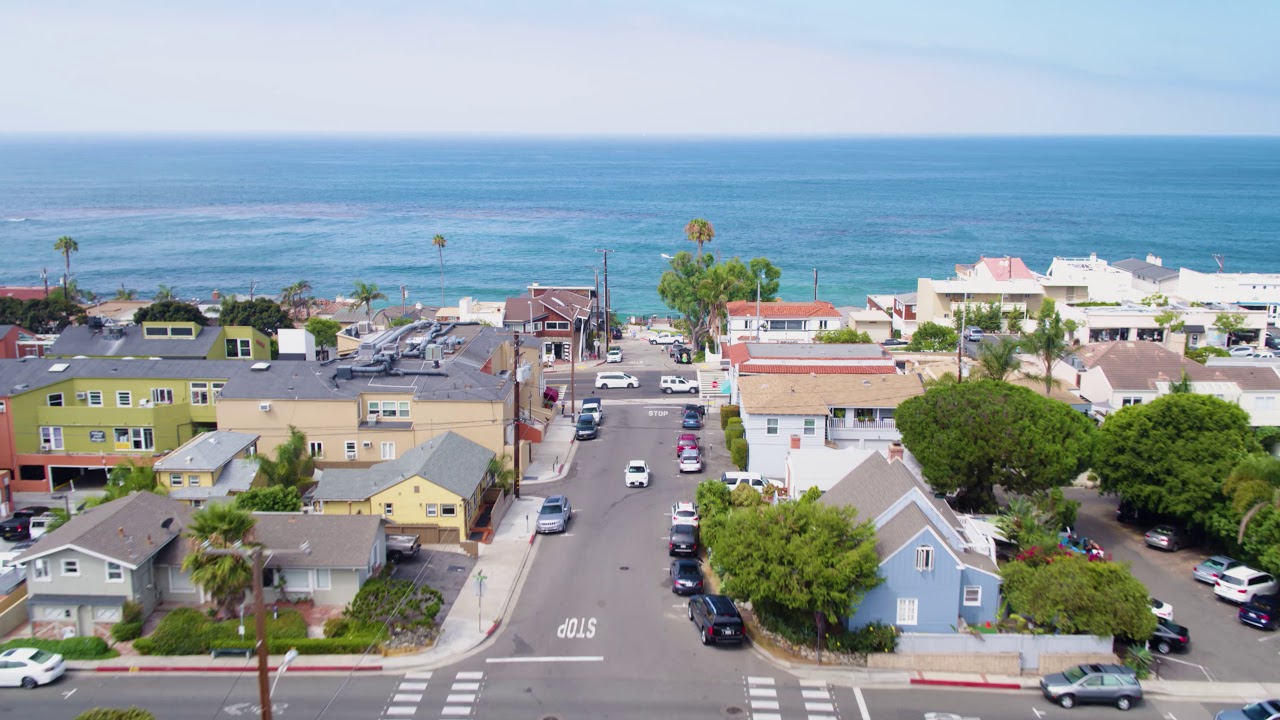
[728, 68]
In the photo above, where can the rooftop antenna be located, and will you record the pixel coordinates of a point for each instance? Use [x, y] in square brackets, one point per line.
[1222, 262]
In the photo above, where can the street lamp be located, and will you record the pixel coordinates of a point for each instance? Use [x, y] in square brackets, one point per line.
[289, 657]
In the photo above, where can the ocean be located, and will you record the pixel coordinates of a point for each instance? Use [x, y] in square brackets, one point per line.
[871, 215]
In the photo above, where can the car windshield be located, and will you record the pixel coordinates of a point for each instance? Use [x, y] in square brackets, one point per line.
[1257, 711]
[689, 455]
[41, 656]
[687, 571]
[1073, 674]
[682, 530]
[635, 469]
[1162, 530]
[552, 509]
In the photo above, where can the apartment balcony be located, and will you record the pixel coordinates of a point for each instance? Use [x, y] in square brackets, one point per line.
[856, 424]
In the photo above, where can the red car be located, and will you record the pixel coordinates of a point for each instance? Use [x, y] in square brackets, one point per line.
[686, 441]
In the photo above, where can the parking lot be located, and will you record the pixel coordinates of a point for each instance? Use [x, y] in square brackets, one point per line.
[1222, 648]
[444, 570]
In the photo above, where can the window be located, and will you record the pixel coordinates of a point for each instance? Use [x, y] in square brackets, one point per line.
[135, 439]
[537, 327]
[323, 580]
[810, 426]
[1126, 402]
[93, 398]
[972, 595]
[107, 614]
[124, 398]
[822, 324]
[908, 609]
[417, 489]
[431, 509]
[155, 331]
[316, 449]
[197, 504]
[71, 568]
[55, 613]
[115, 572]
[1265, 403]
[924, 558]
[388, 451]
[199, 393]
[771, 426]
[349, 447]
[389, 408]
[175, 479]
[54, 399]
[557, 325]
[40, 570]
[217, 388]
[162, 396]
[193, 480]
[388, 509]
[182, 332]
[51, 437]
[448, 510]
[239, 348]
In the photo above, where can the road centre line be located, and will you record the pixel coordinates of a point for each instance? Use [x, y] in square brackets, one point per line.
[548, 659]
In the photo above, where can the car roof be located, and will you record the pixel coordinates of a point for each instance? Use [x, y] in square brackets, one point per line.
[685, 505]
[721, 604]
[688, 436]
[1244, 572]
[554, 500]
[682, 530]
[19, 653]
[691, 452]
[1223, 559]
[687, 563]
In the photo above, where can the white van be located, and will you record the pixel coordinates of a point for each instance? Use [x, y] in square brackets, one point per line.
[616, 380]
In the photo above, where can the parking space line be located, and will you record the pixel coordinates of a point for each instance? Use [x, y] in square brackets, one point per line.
[862, 704]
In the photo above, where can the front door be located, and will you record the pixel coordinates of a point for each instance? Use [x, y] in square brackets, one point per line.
[84, 620]
[548, 351]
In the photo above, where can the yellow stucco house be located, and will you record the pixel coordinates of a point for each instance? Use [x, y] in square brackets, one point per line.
[210, 467]
[435, 490]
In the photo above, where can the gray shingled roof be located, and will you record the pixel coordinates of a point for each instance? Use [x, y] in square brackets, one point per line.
[206, 452]
[127, 530]
[334, 541]
[237, 477]
[903, 526]
[449, 461]
[35, 373]
[1145, 270]
[85, 340]
[816, 351]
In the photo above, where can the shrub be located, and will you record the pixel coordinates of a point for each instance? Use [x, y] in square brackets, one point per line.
[792, 625]
[399, 604]
[738, 453]
[76, 648]
[336, 627]
[131, 612]
[126, 631]
[1139, 660]
[728, 412]
[342, 627]
[305, 646]
[183, 631]
[873, 637]
[133, 713]
[735, 432]
[288, 623]
[144, 646]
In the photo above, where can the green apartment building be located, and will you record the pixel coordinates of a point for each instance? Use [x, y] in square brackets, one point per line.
[167, 340]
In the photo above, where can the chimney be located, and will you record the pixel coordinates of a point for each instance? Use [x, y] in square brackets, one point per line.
[121, 531]
[1093, 257]
[1154, 259]
[216, 295]
[795, 442]
[896, 452]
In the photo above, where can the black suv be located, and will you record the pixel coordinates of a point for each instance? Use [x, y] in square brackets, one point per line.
[717, 619]
[1169, 637]
[683, 541]
[18, 527]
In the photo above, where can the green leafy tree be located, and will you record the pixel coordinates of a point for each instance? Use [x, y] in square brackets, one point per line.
[699, 231]
[170, 311]
[974, 436]
[66, 245]
[769, 285]
[1021, 523]
[1254, 484]
[932, 337]
[1268, 437]
[990, 317]
[1228, 324]
[999, 360]
[1048, 342]
[225, 577]
[41, 315]
[439, 242]
[719, 285]
[164, 292]
[1203, 353]
[367, 294]
[274, 498]
[1170, 320]
[502, 472]
[843, 336]
[263, 314]
[324, 330]
[292, 462]
[800, 558]
[1072, 595]
[295, 297]
[700, 289]
[1171, 456]
[1155, 300]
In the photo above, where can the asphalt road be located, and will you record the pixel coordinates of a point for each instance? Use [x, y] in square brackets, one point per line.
[1222, 648]
[917, 704]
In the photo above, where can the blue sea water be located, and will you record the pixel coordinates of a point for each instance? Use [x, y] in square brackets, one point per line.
[871, 214]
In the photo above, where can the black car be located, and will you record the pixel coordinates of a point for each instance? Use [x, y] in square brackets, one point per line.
[1263, 611]
[586, 428]
[702, 411]
[683, 540]
[894, 342]
[691, 420]
[717, 619]
[18, 527]
[686, 576]
[1169, 637]
[615, 333]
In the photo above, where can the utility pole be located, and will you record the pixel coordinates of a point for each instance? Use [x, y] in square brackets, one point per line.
[515, 464]
[608, 316]
[44, 276]
[960, 344]
[759, 282]
[573, 365]
[404, 300]
[815, 284]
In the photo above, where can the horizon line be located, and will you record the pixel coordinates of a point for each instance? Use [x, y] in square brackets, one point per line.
[606, 137]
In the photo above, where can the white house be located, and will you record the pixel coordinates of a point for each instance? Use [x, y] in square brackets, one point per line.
[877, 324]
[780, 322]
[821, 467]
[1135, 321]
[1075, 280]
[1150, 275]
[1252, 291]
[1006, 281]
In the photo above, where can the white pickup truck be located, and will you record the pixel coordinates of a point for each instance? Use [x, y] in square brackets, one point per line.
[402, 547]
[675, 383]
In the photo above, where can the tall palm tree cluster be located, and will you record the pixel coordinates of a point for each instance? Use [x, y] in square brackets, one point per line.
[1047, 342]
[296, 299]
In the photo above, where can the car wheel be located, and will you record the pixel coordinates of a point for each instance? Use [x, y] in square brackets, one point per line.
[634, 385]
[1067, 701]
[1163, 647]
[29, 683]
[1174, 548]
[690, 612]
[693, 390]
[666, 391]
[706, 639]
[1124, 702]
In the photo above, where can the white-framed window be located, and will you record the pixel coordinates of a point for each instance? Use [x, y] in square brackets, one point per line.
[388, 451]
[810, 426]
[449, 510]
[1126, 402]
[537, 327]
[51, 437]
[193, 480]
[323, 579]
[199, 393]
[908, 611]
[71, 568]
[388, 509]
[349, 447]
[93, 398]
[197, 504]
[822, 324]
[972, 595]
[175, 479]
[115, 572]
[162, 396]
[432, 509]
[771, 426]
[124, 398]
[55, 613]
[924, 558]
[136, 438]
[40, 570]
[53, 399]
[316, 448]
[239, 348]
[1267, 402]
[217, 388]
[389, 408]
[556, 325]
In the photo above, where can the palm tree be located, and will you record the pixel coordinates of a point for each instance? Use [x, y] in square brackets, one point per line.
[999, 360]
[292, 462]
[365, 294]
[125, 294]
[164, 292]
[439, 242]
[300, 296]
[1253, 485]
[502, 472]
[66, 246]
[1047, 342]
[699, 231]
[225, 577]
[714, 291]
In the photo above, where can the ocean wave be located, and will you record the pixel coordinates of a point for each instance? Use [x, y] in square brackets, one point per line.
[15, 219]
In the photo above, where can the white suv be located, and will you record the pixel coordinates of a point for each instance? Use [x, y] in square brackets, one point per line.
[1240, 584]
[675, 383]
[665, 339]
[616, 380]
[637, 474]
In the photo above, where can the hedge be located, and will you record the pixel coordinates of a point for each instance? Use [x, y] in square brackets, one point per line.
[133, 713]
[738, 453]
[288, 624]
[126, 631]
[76, 648]
[305, 646]
[727, 412]
[735, 432]
[187, 631]
[341, 627]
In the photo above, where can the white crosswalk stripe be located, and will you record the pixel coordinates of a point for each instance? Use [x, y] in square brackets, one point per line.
[408, 697]
[789, 699]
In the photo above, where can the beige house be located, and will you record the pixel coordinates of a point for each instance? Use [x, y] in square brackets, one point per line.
[209, 467]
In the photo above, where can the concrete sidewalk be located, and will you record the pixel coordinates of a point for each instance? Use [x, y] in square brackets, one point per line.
[554, 453]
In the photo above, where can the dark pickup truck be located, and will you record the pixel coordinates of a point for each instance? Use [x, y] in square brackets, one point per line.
[402, 547]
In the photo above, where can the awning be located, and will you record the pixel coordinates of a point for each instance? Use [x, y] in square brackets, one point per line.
[1198, 329]
[551, 394]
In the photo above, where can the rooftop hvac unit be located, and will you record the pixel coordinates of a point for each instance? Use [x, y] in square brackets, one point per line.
[82, 396]
[264, 407]
[351, 455]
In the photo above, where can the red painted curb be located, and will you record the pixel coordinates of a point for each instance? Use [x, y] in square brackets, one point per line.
[493, 628]
[531, 537]
[249, 668]
[967, 684]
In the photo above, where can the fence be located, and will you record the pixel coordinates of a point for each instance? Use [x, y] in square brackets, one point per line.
[1035, 653]
[13, 610]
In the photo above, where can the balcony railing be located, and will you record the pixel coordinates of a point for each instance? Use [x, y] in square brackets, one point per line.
[855, 424]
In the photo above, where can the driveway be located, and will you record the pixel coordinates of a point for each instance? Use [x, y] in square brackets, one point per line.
[1222, 648]
[448, 572]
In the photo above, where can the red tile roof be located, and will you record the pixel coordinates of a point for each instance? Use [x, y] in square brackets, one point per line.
[1008, 268]
[746, 308]
[777, 369]
[23, 293]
